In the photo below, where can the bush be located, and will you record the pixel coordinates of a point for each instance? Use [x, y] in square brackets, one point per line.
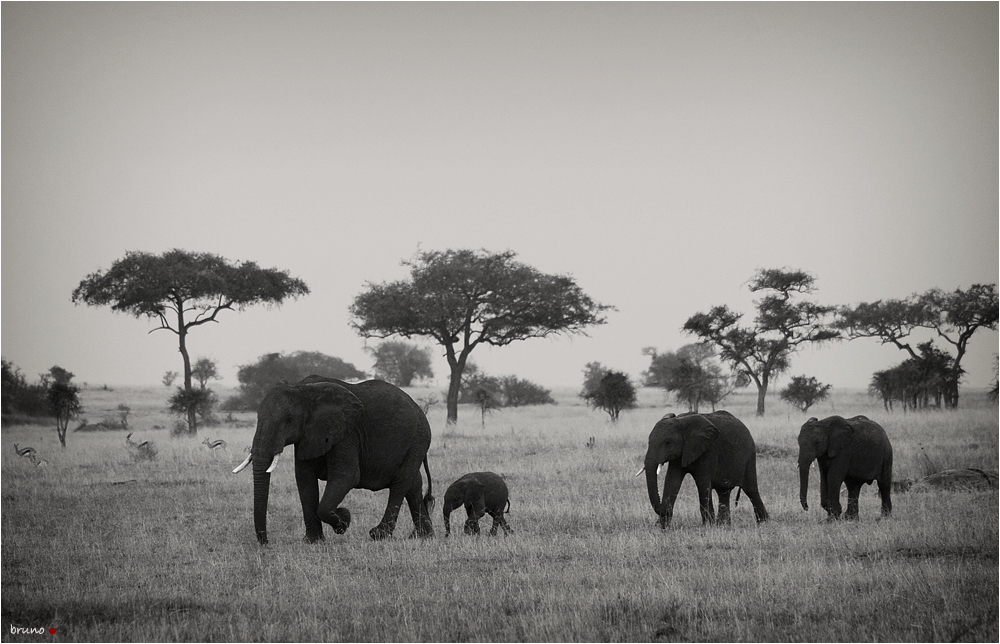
[22, 399]
[522, 393]
[270, 369]
[503, 391]
[803, 392]
[203, 401]
[614, 394]
[401, 362]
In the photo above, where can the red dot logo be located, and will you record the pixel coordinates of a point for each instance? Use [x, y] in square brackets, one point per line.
[52, 631]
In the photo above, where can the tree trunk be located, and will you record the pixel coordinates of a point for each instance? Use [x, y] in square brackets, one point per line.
[457, 364]
[761, 394]
[192, 415]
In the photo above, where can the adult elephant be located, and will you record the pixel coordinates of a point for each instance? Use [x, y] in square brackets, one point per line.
[370, 435]
[716, 449]
[854, 451]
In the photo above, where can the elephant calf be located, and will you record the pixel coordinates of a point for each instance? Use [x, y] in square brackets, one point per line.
[481, 493]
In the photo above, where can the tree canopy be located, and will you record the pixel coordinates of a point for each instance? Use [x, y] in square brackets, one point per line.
[401, 362]
[614, 394]
[183, 289]
[465, 298]
[271, 368]
[782, 325]
[954, 316]
[691, 374]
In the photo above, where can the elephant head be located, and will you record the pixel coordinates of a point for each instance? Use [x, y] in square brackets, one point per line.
[682, 438]
[313, 416]
[465, 490]
[820, 439]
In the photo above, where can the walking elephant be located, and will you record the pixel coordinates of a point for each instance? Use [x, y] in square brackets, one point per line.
[854, 451]
[716, 449]
[481, 493]
[369, 435]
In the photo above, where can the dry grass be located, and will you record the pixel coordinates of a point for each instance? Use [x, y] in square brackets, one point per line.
[104, 548]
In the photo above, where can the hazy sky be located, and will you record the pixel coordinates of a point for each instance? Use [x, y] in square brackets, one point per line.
[658, 153]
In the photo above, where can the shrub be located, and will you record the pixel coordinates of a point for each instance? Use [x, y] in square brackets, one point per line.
[613, 394]
[504, 391]
[203, 401]
[270, 369]
[803, 392]
[401, 362]
[21, 398]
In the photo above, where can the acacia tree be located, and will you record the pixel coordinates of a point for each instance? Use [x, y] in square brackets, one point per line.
[614, 394]
[65, 402]
[764, 350]
[804, 392]
[401, 362]
[181, 290]
[955, 316]
[466, 298]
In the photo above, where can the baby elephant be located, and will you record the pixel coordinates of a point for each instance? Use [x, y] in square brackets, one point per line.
[481, 493]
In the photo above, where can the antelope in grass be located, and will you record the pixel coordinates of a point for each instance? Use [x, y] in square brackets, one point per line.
[218, 444]
[140, 451]
[27, 452]
[591, 442]
[134, 445]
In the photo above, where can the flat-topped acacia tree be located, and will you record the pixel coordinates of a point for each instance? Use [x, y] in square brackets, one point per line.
[182, 290]
[465, 298]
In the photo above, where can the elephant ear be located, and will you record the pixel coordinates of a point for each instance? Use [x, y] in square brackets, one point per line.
[841, 435]
[700, 436]
[333, 410]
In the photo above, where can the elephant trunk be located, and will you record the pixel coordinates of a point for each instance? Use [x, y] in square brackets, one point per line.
[652, 488]
[804, 484]
[261, 490]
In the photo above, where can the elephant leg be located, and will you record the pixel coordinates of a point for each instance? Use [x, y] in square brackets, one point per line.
[724, 505]
[824, 486]
[475, 511]
[671, 486]
[422, 526]
[704, 484]
[759, 511]
[853, 492]
[397, 492]
[885, 491]
[308, 485]
[499, 522]
[447, 519]
[834, 481]
[329, 510]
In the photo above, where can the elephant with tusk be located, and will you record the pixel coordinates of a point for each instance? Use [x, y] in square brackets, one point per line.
[716, 449]
[369, 435]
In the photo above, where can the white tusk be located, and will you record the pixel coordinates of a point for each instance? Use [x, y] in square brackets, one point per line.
[659, 468]
[274, 464]
[639, 472]
[241, 466]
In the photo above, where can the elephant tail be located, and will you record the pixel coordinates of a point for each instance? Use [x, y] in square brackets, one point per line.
[428, 498]
[736, 503]
[507, 511]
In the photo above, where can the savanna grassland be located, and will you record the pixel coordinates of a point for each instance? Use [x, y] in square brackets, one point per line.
[102, 547]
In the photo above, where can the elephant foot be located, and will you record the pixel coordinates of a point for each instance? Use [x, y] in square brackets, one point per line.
[262, 537]
[379, 533]
[422, 532]
[309, 538]
[340, 527]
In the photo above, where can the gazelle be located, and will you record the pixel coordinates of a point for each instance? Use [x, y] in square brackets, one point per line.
[28, 452]
[216, 444]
